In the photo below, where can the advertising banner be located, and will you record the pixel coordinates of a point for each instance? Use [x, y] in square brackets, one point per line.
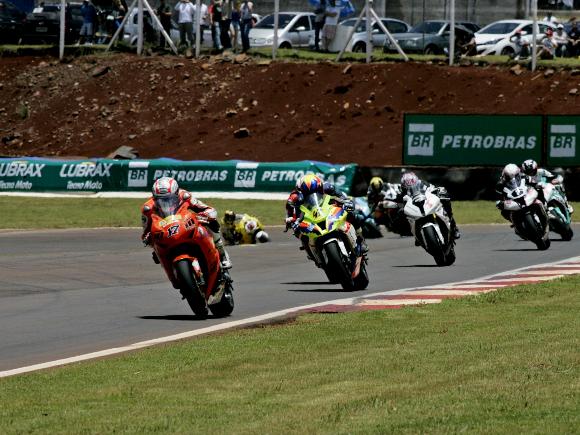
[99, 175]
[471, 140]
[563, 135]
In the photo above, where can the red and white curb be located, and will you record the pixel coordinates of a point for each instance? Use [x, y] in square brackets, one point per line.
[437, 293]
[375, 301]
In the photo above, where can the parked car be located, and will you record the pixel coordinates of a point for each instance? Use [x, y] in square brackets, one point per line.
[11, 23]
[496, 37]
[429, 37]
[295, 29]
[43, 23]
[358, 43]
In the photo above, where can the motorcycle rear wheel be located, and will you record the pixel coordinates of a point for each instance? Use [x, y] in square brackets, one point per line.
[190, 289]
[224, 307]
[336, 262]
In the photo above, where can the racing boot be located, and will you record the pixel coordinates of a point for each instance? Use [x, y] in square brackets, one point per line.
[454, 230]
[361, 242]
[224, 256]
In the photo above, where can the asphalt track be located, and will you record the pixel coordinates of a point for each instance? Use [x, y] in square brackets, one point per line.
[70, 292]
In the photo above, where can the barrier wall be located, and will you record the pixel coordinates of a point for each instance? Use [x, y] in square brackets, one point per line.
[101, 175]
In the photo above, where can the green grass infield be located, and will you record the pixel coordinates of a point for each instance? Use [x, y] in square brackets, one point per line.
[504, 362]
[47, 213]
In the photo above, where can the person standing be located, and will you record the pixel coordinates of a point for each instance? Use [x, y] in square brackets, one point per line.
[227, 7]
[332, 14]
[319, 19]
[574, 40]
[235, 25]
[89, 14]
[203, 19]
[246, 23]
[215, 13]
[164, 14]
[185, 12]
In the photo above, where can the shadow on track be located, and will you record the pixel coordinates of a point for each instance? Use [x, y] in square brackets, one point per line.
[305, 283]
[515, 250]
[174, 317]
[318, 290]
[415, 265]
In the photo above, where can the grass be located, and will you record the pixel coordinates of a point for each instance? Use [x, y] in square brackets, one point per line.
[38, 213]
[504, 362]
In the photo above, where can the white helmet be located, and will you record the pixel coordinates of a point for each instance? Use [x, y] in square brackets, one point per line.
[165, 192]
[262, 236]
[530, 167]
[510, 171]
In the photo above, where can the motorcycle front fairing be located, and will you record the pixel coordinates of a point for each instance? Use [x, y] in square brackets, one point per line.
[424, 210]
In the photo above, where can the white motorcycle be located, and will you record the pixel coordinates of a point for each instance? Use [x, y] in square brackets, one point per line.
[527, 212]
[430, 225]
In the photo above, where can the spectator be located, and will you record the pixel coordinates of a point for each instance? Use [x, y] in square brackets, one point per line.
[89, 14]
[246, 23]
[548, 46]
[164, 14]
[215, 13]
[561, 39]
[550, 18]
[225, 24]
[319, 23]
[235, 25]
[185, 12]
[332, 14]
[522, 46]
[574, 40]
[204, 19]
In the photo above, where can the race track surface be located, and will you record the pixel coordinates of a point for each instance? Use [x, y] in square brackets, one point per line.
[70, 292]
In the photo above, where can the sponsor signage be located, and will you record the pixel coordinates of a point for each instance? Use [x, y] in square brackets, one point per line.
[563, 138]
[31, 174]
[471, 140]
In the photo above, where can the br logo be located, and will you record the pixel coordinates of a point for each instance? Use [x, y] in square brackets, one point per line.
[562, 140]
[421, 140]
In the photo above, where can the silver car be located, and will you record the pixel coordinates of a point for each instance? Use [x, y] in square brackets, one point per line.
[358, 43]
[294, 30]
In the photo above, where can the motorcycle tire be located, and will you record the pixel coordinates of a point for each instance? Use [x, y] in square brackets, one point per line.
[450, 257]
[433, 246]
[224, 307]
[336, 263]
[361, 281]
[190, 289]
[543, 244]
[332, 278]
[561, 228]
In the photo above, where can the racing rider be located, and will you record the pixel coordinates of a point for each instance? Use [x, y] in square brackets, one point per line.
[166, 189]
[536, 176]
[410, 181]
[309, 184]
[510, 172]
[234, 222]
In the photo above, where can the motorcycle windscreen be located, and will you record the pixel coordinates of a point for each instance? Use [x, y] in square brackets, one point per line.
[314, 202]
[167, 206]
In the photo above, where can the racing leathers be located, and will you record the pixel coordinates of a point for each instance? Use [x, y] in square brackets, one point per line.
[544, 176]
[378, 203]
[294, 215]
[206, 215]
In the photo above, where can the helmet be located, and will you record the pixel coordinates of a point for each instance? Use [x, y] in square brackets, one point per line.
[165, 192]
[229, 217]
[530, 167]
[409, 179]
[262, 236]
[510, 171]
[376, 184]
[309, 183]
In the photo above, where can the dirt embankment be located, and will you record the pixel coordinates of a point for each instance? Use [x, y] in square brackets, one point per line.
[174, 107]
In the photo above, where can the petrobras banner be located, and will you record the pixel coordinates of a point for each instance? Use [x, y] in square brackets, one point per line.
[34, 174]
[471, 140]
[563, 136]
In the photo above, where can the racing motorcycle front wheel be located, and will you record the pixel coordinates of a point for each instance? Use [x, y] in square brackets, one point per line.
[190, 289]
[336, 262]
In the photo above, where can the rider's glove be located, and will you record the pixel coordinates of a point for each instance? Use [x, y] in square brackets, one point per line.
[289, 221]
[295, 226]
[348, 205]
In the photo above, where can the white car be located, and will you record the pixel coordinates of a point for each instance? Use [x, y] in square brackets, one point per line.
[496, 38]
[358, 42]
[294, 30]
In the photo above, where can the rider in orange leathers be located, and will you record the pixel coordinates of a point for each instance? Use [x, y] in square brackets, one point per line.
[165, 192]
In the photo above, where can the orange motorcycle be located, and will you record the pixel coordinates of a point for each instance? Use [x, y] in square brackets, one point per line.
[186, 250]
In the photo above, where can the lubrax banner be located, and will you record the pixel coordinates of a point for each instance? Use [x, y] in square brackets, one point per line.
[101, 175]
[471, 140]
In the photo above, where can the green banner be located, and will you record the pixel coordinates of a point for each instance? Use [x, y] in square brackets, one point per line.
[471, 140]
[99, 175]
[563, 133]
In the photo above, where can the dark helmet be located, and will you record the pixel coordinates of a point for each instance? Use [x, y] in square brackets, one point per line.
[229, 217]
[530, 167]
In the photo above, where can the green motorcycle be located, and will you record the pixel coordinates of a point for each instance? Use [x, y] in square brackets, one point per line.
[559, 216]
[331, 242]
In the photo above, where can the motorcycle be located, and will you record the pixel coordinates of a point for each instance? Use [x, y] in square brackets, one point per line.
[247, 230]
[370, 228]
[430, 225]
[186, 250]
[331, 242]
[527, 212]
[559, 216]
[389, 213]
